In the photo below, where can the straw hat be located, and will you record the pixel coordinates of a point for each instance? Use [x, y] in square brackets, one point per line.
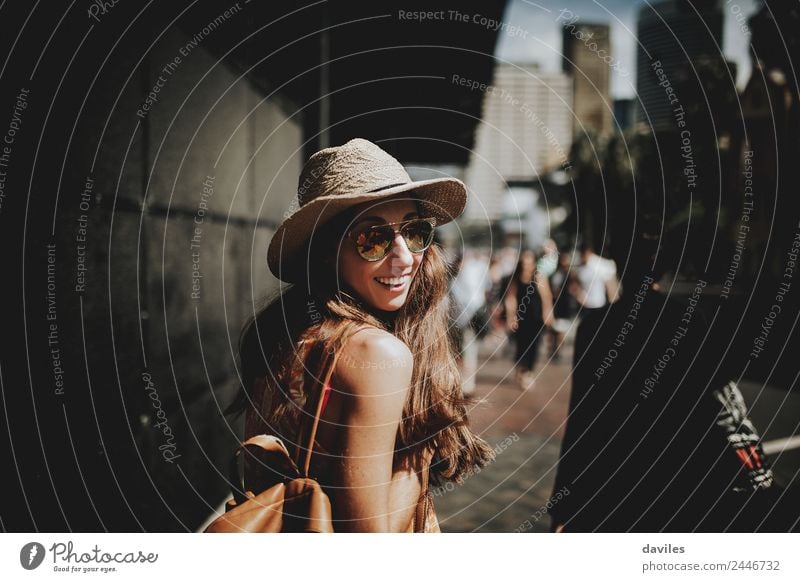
[337, 178]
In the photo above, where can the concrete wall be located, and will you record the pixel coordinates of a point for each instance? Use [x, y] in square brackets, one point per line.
[183, 198]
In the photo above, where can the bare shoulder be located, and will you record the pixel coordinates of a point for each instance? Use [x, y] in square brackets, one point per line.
[374, 362]
[376, 343]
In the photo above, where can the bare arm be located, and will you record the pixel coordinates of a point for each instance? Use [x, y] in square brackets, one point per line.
[577, 290]
[612, 288]
[510, 303]
[547, 298]
[369, 495]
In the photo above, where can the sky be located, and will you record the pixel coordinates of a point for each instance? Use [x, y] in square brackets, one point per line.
[542, 20]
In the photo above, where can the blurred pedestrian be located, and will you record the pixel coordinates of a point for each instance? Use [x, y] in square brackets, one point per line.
[565, 306]
[548, 261]
[596, 277]
[468, 292]
[528, 308]
[494, 297]
[501, 267]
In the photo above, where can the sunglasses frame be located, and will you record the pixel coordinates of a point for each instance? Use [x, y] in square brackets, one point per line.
[429, 219]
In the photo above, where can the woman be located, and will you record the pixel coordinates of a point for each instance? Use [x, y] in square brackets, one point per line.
[371, 288]
[565, 307]
[528, 306]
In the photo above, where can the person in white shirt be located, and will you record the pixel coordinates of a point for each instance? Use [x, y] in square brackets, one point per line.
[468, 292]
[596, 280]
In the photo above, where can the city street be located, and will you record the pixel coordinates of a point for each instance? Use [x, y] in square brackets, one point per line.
[526, 428]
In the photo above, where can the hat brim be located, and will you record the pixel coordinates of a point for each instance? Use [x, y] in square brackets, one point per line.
[441, 198]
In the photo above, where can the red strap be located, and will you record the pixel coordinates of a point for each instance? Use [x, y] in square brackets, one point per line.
[326, 392]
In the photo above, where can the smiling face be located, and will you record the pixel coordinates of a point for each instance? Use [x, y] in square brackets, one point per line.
[383, 284]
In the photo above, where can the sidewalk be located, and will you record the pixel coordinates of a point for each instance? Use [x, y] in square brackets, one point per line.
[775, 412]
[526, 428]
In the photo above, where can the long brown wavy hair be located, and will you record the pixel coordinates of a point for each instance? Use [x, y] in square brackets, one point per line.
[282, 346]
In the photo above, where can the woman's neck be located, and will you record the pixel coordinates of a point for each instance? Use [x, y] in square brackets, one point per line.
[387, 318]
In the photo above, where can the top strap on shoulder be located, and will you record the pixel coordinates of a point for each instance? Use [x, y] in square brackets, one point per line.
[327, 366]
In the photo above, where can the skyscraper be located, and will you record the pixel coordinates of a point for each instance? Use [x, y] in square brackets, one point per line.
[587, 59]
[525, 132]
[676, 34]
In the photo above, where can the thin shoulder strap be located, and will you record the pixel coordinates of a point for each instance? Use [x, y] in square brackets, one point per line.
[320, 401]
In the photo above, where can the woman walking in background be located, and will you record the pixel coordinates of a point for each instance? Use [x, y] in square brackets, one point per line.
[562, 284]
[369, 296]
[528, 308]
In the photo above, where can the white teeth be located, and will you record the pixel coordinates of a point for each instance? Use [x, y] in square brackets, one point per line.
[392, 280]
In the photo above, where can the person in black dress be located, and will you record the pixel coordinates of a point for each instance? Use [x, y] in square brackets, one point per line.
[528, 308]
[565, 306]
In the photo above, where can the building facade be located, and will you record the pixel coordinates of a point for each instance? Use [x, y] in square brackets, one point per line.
[525, 133]
[587, 59]
[673, 36]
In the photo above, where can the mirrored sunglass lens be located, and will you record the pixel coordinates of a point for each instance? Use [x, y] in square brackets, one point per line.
[373, 244]
[418, 235]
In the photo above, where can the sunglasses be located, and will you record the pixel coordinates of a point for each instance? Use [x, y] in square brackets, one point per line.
[375, 242]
